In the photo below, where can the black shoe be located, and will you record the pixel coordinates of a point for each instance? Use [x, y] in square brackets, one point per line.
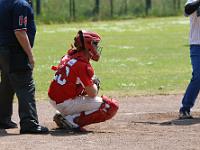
[38, 129]
[8, 125]
[185, 114]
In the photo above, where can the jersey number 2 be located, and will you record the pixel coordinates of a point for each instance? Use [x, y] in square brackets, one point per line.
[59, 80]
[58, 76]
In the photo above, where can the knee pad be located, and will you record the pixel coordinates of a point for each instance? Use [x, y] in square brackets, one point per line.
[110, 106]
[106, 111]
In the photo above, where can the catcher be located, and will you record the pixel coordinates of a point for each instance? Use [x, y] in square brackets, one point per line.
[73, 91]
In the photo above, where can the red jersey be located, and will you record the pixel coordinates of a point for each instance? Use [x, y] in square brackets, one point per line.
[73, 74]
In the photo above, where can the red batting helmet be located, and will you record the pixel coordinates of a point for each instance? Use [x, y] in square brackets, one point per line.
[87, 40]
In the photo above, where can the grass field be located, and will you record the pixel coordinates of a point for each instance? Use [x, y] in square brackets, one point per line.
[140, 56]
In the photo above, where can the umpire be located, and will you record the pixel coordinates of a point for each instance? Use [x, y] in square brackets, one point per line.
[17, 34]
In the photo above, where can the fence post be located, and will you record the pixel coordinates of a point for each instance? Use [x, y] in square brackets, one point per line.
[126, 7]
[174, 5]
[111, 8]
[96, 7]
[70, 9]
[179, 4]
[74, 9]
[38, 7]
[148, 6]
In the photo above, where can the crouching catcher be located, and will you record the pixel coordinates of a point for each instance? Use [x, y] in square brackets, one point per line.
[74, 89]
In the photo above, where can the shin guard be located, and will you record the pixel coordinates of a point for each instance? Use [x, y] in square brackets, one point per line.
[106, 111]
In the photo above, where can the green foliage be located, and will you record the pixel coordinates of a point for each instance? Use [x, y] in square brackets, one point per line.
[140, 56]
[58, 10]
[166, 8]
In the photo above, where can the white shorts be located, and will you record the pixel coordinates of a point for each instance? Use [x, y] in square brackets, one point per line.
[78, 105]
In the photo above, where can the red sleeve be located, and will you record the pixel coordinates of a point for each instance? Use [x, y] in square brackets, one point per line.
[86, 74]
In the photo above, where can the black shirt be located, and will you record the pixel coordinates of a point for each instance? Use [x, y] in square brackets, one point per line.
[16, 15]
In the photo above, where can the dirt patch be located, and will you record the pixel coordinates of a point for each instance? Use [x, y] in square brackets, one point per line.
[142, 123]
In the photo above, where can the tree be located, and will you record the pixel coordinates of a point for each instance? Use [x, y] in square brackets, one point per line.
[148, 6]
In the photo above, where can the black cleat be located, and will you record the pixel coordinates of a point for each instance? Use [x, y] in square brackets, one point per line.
[185, 115]
[38, 129]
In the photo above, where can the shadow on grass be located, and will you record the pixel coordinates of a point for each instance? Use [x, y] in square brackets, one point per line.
[178, 122]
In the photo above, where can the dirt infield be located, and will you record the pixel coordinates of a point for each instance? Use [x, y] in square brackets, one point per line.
[142, 123]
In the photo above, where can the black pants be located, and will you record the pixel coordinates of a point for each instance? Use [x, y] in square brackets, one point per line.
[19, 82]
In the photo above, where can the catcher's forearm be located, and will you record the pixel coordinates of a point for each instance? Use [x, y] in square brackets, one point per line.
[91, 91]
[192, 7]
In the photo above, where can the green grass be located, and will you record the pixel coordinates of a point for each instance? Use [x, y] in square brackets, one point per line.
[140, 56]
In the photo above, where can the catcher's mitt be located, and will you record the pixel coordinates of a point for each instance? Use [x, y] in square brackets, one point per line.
[96, 81]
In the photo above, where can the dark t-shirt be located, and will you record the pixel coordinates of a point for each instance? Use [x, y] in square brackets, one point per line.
[16, 15]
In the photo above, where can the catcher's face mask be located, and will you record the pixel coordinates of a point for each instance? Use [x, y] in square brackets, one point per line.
[96, 50]
[87, 40]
